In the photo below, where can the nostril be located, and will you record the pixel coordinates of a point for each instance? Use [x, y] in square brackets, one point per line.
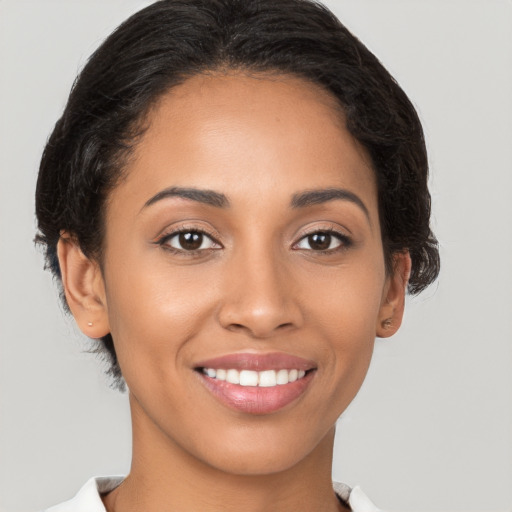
[259, 329]
[236, 327]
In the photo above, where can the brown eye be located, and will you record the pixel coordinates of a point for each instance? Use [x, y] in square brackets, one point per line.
[319, 241]
[323, 241]
[188, 241]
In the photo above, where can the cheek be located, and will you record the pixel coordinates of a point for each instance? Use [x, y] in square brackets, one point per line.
[347, 299]
[344, 312]
[154, 313]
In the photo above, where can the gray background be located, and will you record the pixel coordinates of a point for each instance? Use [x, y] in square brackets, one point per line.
[431, 430]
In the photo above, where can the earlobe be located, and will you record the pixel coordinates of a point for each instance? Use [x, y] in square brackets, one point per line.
[393, 299]
[83, 287]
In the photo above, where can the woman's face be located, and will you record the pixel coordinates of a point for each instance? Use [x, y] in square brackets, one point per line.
[244, 243]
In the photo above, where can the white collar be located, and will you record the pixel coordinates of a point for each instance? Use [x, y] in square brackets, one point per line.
[355, 497]
[88, 498]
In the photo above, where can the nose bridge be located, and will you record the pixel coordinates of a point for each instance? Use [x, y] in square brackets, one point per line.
[258, 296]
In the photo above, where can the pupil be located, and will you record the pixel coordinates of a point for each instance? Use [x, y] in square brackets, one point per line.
[191, 241]
[319, 241]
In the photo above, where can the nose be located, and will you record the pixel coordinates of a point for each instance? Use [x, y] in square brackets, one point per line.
[259, 296]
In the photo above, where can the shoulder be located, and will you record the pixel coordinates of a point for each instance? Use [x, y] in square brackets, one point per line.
[355, 498]
[88, 498]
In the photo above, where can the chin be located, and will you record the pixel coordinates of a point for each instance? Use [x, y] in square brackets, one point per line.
[263, 452]
[258, 464]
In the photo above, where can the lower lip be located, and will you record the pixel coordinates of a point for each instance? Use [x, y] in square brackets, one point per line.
[256, 399]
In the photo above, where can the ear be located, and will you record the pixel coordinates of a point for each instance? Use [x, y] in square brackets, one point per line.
[84, 288]
[393, 297]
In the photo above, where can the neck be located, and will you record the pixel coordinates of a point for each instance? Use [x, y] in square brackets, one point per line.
[163, 476]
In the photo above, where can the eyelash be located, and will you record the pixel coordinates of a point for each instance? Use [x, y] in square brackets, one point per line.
[163, 241]
[345, 241]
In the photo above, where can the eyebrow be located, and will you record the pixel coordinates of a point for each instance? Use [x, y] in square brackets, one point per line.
[208, 197]
[320, 196]
[219, 200]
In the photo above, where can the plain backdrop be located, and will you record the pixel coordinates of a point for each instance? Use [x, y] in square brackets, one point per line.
[431, 430]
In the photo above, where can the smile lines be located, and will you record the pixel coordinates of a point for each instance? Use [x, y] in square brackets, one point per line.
[266, 378]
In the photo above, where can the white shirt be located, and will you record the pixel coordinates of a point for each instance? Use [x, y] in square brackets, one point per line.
[88, 498]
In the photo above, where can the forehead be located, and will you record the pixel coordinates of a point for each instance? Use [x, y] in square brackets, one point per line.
[259, 132]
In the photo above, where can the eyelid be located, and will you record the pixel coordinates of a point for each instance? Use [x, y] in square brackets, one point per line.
[323, 227]
[170, 232]
[345, 239]
[335, 231]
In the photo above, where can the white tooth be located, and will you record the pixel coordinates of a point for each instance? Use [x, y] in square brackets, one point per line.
[210, 372]
[282, 377]
[292, 376]
[301, 374]
[248, 378]
[267, 378]
[233, 377]
[220, 374]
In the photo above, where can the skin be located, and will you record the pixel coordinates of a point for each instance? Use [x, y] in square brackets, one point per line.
[260, 287]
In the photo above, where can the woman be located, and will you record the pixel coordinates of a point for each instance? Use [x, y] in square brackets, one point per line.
[235, 204]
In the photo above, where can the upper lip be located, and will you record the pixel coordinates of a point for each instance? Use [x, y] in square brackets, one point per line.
[258, 362]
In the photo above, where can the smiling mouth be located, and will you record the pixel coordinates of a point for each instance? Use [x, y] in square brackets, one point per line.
[264, 379]
[257, 383]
